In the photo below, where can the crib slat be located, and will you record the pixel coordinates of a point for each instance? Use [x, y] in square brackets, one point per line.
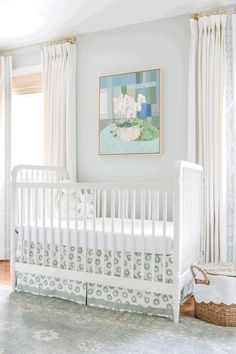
[153, 206]
[21, 175]
[142, 231]
[36, 223]
[103, 229]
[113, 205]
[105, 203]
[186, 198]
[22, 206]
[43, 224]
[98, 204]
[68, 228]
[59, 230]
[94, 229]
[76, 230]
[28, 224]
[51, 227]
[17, 207]
[149, 205]
[192, 212]
[122, 232]
[119, 204]
[85, 230]
[126, 204]
[27, 176]
[133, 204]
[21, 223]
[164, 235]
[185, 187]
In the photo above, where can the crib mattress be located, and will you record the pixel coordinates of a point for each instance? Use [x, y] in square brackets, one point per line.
[94, 237]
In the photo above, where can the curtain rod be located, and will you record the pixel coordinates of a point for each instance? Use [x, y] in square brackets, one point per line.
[35, 47]
[219, 11]
[71, 40]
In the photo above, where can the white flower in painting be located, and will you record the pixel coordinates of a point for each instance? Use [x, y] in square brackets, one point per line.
[126, 107]
[45, 335]
[141, 99]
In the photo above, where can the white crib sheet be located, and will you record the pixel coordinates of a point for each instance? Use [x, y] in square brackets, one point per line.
[96, 239]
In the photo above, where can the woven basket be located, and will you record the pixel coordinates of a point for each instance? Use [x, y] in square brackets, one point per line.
[220, 314]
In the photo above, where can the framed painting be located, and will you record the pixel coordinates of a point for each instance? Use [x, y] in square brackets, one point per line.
[130, 113]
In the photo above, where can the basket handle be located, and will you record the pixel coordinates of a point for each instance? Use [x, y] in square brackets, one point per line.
[199, 281]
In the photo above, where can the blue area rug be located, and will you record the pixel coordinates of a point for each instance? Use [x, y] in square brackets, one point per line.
[35, 324]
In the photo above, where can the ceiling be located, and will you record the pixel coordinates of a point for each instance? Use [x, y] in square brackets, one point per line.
[27, 22]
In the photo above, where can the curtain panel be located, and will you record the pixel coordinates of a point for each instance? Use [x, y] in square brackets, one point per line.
[193, 96]
[230, 140]
[5, 154]
[205, 122]
[59, 89]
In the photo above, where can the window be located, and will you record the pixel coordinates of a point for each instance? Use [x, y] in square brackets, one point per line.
[27, 120]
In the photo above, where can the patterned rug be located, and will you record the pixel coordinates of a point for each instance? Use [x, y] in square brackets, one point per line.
[34, 324]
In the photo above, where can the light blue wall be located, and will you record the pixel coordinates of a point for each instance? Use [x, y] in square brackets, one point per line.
[161, 44]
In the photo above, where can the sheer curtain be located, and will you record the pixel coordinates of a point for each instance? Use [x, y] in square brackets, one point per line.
[59, 89]
[206, 97]
[5, 154]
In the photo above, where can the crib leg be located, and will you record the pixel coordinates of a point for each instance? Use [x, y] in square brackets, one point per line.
[13, 282]
[13, 285]
[176, 309]
[13, 277]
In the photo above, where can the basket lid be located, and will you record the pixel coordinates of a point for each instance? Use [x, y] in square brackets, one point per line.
[225, 269]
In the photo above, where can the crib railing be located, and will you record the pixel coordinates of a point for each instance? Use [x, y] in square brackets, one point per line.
[45, 211]
[48, 205]
[38, 174]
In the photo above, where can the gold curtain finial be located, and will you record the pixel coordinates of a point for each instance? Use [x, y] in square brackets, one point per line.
[194, 16]
[6, 54]
[220, 11]
[71, 40]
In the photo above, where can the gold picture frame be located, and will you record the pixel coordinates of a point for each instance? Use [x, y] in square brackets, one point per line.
[124, 91]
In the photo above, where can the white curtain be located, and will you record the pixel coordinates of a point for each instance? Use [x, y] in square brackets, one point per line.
[59, 89]
[5, 154]
[206, 115]
[230, 139]
[192, 97]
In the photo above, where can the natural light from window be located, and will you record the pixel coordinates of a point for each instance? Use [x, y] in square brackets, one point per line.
[27, 129]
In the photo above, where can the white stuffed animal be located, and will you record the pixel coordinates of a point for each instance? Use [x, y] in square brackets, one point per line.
[75, 199]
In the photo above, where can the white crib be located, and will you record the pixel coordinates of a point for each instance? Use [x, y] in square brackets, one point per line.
[137, 218]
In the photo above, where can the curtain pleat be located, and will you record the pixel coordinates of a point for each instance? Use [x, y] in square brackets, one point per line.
[5, 154]
[206, 100]
[59, 88]
[192, 87]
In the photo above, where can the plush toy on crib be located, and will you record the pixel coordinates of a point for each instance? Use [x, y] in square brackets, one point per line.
[75, 199]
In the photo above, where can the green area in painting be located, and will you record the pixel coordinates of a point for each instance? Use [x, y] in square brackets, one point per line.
[124, 90]
[148, 130]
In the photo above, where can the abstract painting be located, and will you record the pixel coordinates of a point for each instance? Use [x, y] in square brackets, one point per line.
[130, 113]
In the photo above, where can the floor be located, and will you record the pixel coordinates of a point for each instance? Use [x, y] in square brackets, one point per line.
[33, 324]
[4, 272]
